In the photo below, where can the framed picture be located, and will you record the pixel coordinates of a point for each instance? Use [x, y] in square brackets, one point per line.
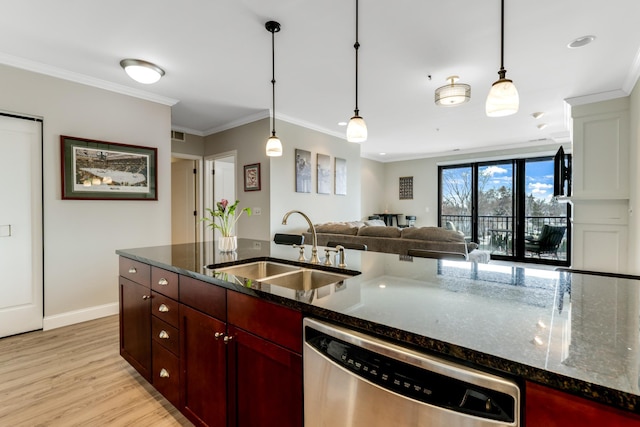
[324, 174]
[341, 177]
[99, 170]
[406, 188]
[303, 171]
[252, 177]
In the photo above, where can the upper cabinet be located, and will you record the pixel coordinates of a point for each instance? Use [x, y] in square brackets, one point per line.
[601, 150]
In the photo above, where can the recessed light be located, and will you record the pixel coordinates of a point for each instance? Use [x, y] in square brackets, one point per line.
[383, 154]
[580, 42]
[537, 114]
[382, 286]
[342, 123]
[542, 126]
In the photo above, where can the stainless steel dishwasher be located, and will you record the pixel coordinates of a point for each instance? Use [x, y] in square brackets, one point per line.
[355, 380]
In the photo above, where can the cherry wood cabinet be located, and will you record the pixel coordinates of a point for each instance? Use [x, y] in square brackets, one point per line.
[552, 408]
[204, 368]
[135, 315]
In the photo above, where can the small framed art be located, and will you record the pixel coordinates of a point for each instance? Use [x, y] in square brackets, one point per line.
[252, 177]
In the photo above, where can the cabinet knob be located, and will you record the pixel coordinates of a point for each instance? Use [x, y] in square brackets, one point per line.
[227, 338]
[218, 335]
[145, 297]
[163, 282]
[132, 270]
[164, 373]
[163, 308]
[164, 335]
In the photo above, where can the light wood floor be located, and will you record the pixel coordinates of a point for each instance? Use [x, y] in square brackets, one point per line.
[74, 376]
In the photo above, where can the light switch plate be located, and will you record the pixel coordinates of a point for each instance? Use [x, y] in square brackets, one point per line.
[5, 230]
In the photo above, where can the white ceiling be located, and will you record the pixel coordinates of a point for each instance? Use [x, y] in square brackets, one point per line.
[217, 58]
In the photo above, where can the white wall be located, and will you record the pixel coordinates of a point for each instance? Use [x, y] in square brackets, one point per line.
[319, 207]
[373, 187]
[80, 237]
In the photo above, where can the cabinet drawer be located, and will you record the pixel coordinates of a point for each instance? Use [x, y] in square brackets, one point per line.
[135, 271]
[165, 282]
[283, 325]
[165, 308]
[166, 335]
[206, 297]
[166, 373]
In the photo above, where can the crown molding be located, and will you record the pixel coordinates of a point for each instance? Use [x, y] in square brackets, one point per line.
[40, 68]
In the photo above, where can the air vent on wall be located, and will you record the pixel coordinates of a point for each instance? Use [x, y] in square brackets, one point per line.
[177, 136]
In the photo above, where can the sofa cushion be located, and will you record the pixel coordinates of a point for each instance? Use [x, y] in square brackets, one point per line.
[435, 234]
[336, 228]
[357, 224]
[377, 231]
[375, 223]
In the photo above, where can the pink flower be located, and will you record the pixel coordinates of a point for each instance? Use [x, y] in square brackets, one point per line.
[224, 203]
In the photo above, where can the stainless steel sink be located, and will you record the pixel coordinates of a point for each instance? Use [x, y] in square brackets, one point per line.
[288, 276]
[306, 279]
[258, 270]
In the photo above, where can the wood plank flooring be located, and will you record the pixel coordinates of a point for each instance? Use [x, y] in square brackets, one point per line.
[74, 376]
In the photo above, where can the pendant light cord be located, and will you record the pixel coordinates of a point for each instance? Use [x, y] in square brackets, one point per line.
[356, 46]
[502, 71]
[273, 80]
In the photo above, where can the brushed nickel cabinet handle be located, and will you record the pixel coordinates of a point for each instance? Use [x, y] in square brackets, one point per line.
[218, 335]
[163, 282]
[164, 373]
[145, 297]
[227, 339]
[163, 308]
[132, 270]
[164, 335]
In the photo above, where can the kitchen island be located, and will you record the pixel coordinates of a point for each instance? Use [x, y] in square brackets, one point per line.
[567, 332]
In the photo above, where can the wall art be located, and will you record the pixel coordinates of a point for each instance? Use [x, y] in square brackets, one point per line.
[252, 177]
[303, 171]
[324, 174]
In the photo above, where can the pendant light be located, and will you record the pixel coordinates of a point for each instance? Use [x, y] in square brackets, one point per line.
[274, 146]
[503, 97]
[357, 129]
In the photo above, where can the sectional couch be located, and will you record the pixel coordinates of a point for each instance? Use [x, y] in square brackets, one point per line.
[380, 238]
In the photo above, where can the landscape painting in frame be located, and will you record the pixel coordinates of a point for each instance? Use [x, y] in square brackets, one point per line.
[341, 176]
[324, 174]
[303, 171]
[107, 170]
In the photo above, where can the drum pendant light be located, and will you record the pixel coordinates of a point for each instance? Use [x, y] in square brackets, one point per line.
[357, 129]
[503, 97]
[274, 146]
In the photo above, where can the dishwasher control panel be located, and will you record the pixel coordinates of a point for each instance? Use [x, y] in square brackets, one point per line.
[414, 382]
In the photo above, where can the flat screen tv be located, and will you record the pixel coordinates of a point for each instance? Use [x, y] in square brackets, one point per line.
[561, 174]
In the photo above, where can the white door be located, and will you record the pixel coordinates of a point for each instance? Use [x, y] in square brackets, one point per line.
[183, 201]
[21, 264]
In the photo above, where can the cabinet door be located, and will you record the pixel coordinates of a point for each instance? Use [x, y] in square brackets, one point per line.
[135, 326]
[552, 408]
[267, 380]
[203, 363]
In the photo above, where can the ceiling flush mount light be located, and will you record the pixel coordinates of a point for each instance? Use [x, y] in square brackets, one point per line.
[142, 71]
[357, 128]
[580, 42]
[453, 94]
[537, 114]
[274, 146]
[503, 97]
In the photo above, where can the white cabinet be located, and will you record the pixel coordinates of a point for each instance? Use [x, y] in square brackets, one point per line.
[600, 185]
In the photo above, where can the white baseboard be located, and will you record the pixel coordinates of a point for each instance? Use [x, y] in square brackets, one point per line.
[78, 316]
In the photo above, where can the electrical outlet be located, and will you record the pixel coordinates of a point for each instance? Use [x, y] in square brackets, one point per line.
[256, 211]
[257, 245]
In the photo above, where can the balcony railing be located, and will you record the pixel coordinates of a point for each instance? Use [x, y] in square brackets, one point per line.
[495, 233]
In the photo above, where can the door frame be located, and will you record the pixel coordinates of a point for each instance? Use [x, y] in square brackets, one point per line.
[209, 197]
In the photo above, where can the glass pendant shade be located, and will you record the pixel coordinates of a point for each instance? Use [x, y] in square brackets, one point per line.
[503, 99]
[356, 130]
[274, 146]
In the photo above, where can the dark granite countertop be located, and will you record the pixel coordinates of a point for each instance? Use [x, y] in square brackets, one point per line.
[573, 332]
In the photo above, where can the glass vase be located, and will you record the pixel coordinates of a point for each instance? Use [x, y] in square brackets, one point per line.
[228, 243]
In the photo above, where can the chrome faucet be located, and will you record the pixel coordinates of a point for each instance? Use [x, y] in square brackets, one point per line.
[314, 248]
